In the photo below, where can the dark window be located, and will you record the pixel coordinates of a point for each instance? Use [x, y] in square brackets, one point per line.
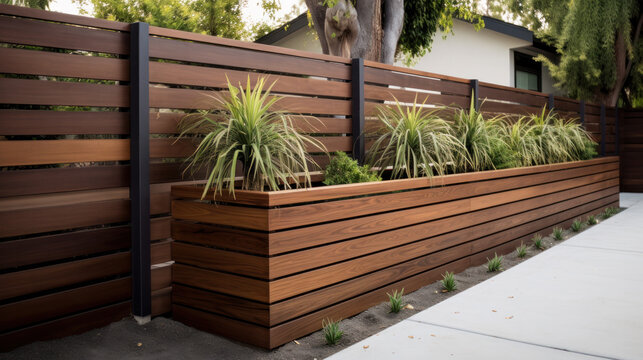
[528, 73]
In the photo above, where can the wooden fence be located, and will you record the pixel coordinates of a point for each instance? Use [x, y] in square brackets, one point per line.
[631, 150]
[68, 260]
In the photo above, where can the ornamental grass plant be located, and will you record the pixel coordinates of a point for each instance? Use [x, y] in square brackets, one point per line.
[415, 143]
[263, 141]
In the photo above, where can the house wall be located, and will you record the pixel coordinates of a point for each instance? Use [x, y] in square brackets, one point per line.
[484, 55]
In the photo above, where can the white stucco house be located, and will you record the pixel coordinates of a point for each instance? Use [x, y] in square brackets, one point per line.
[500, 53]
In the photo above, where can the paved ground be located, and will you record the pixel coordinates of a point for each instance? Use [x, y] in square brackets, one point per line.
[582, 299]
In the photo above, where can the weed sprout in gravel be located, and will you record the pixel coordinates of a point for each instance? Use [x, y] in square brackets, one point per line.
[331, 331]
[494, 264]
[395, 301]
[448, 282]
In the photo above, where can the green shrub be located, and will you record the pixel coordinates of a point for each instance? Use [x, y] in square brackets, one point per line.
[415, 143]
[448, 282]
[331, 331]
[521, 250]
[396, 303]
[494, 264]
[591, 220]
[344, 170]
[538, 242]
[577, 225]
[265, 142]
[557, 233]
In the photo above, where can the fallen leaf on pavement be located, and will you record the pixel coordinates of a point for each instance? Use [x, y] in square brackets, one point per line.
[296, 342]
[139, 344]
[365, 346]
[509, 317]
[494, 310]
[433, 335]
[409, 306]
[410, 336]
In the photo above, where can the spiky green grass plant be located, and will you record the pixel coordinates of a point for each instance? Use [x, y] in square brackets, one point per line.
[591, 220]
[415, 142]
[448, 282]
[609, 212]
[557, 233]
[521, 250]
[495, 263]
[524, 147]
[396, 303]
[481, 138]
[577, 225]
[263, 141]
[332, 333]
[538, 242]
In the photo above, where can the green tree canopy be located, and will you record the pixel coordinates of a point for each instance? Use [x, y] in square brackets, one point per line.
[212, 17]
[598, 42]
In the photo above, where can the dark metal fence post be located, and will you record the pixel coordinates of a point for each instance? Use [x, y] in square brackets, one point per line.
[140, 171]
[475, 94]
[616, 130]
[602, 130]
[357, 84]
[550, 102]
[582, 112]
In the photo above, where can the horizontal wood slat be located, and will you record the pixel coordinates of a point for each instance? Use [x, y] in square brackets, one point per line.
[70, 325]
[168, 73]
[49, 34]
[36, 152]
[43, 92]
[43, 308]
[30, 62]
[343, 250]
[43, 122]
[26, 12]
[385, 77]
[242, 58]
[54, 276]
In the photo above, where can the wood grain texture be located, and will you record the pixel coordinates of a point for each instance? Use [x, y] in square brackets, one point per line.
[50, 277]
[43, 92]
[161, 277]
[385, 77]
[26, 12]
[230, 284]
[70, 325]
[38, 152]
[31, 62]
[47, 307]
[44, 122]
[244, 58]
[49, 34]
[249, 218]
[161, 301]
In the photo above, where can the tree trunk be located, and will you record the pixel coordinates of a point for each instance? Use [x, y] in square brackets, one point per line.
[318, 13]
[369, 40]
[392, 27]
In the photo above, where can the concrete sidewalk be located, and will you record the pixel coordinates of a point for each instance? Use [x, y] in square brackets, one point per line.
[579, 300]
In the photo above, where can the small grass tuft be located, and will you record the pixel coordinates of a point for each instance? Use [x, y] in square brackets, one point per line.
[494, 264]
[557, 234]
[332, 334]
[538, 242]
[591, 220]
[395, 301]
[609, 212]
[448, 282]
[577, 225]
[521, 250]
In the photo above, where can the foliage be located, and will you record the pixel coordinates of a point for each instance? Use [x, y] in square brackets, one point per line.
[598, 41]
[36, 4]
[263, 141]
[524, 148]
[521, 250]
[448, 282]
[494, 264]
[538, 242]
[577, 225]
[557, 233]
[211, 17]
[560, 140]
[331, 331]
[396, 303]
[415, 142]
[482, 140]
[344, 170]
[609, 212]
[591, 220]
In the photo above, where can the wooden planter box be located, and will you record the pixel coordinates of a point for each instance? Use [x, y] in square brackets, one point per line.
[268, 267]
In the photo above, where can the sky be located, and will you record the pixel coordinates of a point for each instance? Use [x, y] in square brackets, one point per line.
[252, 12]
